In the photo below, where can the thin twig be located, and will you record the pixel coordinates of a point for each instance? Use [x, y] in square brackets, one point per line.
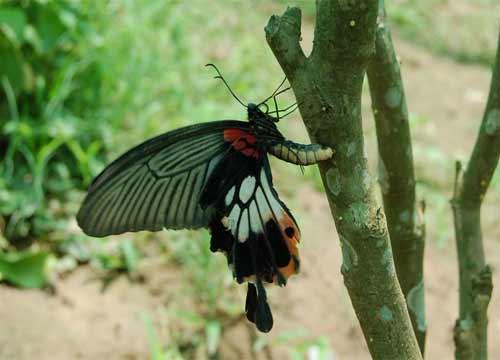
[397, 175]
[470, 189]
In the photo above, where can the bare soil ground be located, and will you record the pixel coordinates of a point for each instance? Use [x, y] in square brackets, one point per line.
[81, 322]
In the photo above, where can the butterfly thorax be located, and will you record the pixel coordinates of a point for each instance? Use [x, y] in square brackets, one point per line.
[269, 139]
[263, 126]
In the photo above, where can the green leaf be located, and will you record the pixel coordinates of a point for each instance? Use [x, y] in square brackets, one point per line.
[25, 269]
[50, 29]
[212, 333]
[12, 23]
[11, 65]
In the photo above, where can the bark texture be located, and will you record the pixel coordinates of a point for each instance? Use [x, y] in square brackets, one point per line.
[328, 86]
[397, 175]
[470, 188]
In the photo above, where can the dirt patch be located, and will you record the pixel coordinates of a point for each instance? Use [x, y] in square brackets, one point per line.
[80, 321]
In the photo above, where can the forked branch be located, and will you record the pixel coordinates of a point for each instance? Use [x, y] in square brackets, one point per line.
[328, 86]
[470, 189]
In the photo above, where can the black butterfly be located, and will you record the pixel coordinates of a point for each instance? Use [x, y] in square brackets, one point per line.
[214, 175]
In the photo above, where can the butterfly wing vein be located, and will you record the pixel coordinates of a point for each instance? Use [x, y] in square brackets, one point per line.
[157, 184]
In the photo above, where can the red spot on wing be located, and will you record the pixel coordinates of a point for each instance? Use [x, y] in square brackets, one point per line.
[251, 152]
[242, 141]
[232, 135]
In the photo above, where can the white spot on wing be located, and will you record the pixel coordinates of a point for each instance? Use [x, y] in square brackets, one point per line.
[233, 219]
[265, 211]
[255, 223]
[243, 229]
[229, 196]
[266, 187]
[247, 188]
[263, 177]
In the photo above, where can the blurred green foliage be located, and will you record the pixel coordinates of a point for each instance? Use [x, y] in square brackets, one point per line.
[50, 140]
[24, 269]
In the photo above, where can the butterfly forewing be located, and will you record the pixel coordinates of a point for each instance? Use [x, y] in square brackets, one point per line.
[157, 184]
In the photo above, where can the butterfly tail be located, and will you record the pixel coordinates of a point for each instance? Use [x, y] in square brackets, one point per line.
[257, 308]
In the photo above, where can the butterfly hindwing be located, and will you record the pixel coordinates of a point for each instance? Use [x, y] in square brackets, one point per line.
[258, 232]
[252, 226]
[157, 184]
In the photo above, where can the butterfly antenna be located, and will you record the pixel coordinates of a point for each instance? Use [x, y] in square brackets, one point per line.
[276, 109]
[275, 93]
[219, 76]
[293, 107]
[291, 111]
[283, 110]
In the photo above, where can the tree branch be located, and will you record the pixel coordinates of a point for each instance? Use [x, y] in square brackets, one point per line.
[284, 32]
[328, 87]
[397, 175]
[470, 189]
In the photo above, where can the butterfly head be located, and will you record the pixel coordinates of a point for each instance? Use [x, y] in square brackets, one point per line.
[256, 113]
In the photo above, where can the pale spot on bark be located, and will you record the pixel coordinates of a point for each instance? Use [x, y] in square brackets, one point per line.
[382, 176]
[393, 97]
[349, 256]
[385, 313]
[416, 303]
[359, 211]
[404, 216]
[367, 179]
[333, 181]
[388, 261]
[492, 124]
[351, 149]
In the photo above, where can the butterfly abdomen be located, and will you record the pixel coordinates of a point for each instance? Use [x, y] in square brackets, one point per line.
[300, 154]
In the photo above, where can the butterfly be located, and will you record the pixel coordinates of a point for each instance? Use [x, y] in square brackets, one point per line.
[212, 175]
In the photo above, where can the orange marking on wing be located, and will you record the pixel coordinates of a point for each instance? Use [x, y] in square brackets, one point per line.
[288, 270]
[291, 235]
